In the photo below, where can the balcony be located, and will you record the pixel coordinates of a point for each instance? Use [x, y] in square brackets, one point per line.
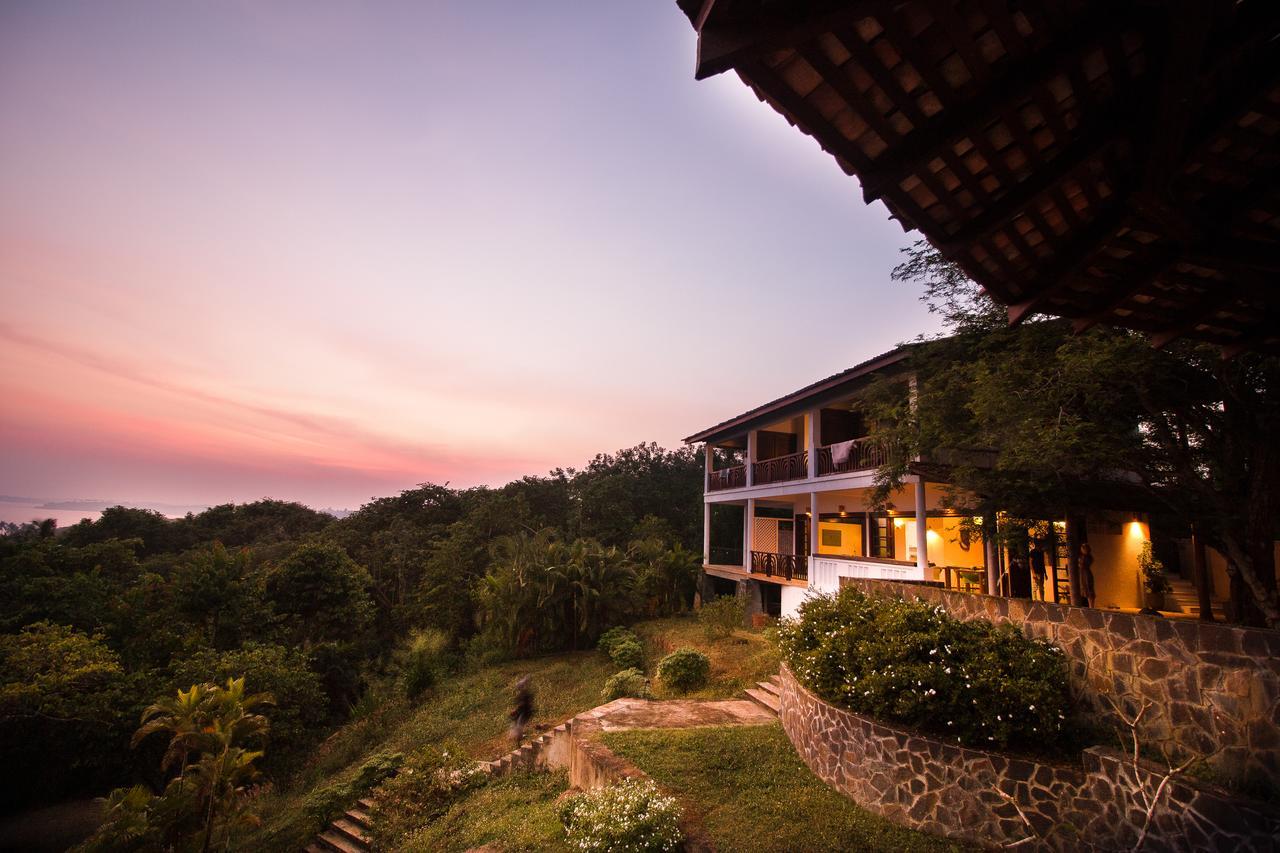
[727, 478]
[793, 466]
[860, 454]
[785, 566]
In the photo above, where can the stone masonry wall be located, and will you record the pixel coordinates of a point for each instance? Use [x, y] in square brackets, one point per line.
[958, 792]
[1214, 690]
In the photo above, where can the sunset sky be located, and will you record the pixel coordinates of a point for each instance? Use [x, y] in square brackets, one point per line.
[327, 250]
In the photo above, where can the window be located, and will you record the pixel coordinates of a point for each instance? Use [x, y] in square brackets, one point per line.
[831, 538]
[882, 537]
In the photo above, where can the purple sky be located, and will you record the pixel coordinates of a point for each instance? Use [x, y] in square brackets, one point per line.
[327, 250]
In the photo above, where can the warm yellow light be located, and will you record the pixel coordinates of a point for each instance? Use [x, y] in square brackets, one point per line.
[1135, 530]
[977, 519]
[933, 534]
[899, 522]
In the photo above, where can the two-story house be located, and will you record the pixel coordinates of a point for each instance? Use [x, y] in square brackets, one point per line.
[787, 509]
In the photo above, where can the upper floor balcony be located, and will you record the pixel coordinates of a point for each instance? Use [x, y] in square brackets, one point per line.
[814, 433]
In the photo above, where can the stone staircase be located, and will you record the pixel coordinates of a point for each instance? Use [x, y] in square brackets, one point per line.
[529, 756]
[767, 693]
[350, 832]
[346, 834]
[1183, 599]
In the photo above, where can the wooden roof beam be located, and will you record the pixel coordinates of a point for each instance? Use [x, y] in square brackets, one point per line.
[1018, 82]
[1151, 269]
[1187, 320]
[1072, 260]
[723, 44]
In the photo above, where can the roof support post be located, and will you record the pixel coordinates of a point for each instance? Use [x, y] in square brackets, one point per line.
[748, 523]
[706, 533]
[709, 455]
[922, 532]
[751, 458]
[815, 425]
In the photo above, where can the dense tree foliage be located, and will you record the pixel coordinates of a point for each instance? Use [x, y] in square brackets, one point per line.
[98, 618]
[1038, 421]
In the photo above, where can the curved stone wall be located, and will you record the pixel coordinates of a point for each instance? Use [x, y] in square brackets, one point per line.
[958, 792]
[1214, 690]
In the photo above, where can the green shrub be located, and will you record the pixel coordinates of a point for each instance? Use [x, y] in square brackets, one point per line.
[628, 654]
[423, 661]
[628, 682]
[422, 791]
[611, 638]
[631, 817]
[977, 683]
[721, 617]
[327, 801]
[684, 669]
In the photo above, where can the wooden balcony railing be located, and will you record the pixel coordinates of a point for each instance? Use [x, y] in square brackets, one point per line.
[793, 466]
[789, 566]
[721, 556]
[727, 478]
[864, 455]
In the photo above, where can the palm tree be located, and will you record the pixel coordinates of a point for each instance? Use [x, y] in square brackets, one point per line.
[214, 723]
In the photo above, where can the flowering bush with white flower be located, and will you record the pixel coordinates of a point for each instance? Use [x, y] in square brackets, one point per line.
[630, 817]
[902, 661]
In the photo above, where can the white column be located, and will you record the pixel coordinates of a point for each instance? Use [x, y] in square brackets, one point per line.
[706, 533]
[922, 533]
[751, 457]
[748, 523]
[813, 533]
[815, 426]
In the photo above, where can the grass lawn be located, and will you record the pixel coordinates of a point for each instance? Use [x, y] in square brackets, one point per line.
[516, 813]
[468, 711]
[750, 791]
[736, 663]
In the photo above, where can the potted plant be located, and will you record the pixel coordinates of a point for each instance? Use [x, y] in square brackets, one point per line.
[1154, 582]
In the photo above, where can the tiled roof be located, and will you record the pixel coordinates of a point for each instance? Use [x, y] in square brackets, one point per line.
[735, 424]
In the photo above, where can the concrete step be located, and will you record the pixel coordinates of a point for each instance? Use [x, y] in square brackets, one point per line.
[359, 817]
[335, 841]
[770, 687]
[765, 698]
[351, 830]
[365, 803]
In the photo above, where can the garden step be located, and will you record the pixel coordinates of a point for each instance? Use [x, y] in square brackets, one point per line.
[766, 699]
[351, 830]
[770, 687]
[335, 841]
[313, 847]
[365, 803]
[359, 817]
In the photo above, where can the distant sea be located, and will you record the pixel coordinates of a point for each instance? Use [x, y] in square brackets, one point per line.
[21, 510]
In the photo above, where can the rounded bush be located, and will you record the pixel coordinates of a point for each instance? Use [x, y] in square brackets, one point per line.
[611, 638]
[972, 682]
[630, 817]
[627, 654]
[684, 669]
[628, 682]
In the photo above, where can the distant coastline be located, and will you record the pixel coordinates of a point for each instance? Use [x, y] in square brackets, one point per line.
[20, 510]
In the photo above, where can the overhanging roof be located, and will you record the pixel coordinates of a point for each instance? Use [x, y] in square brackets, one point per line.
[1110, 161]
[819, 392]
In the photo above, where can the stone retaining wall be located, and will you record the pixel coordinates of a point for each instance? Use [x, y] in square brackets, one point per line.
[1214, 690]
[964, 793]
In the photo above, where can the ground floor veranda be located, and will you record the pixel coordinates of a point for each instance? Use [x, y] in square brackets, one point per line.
[793, 542]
